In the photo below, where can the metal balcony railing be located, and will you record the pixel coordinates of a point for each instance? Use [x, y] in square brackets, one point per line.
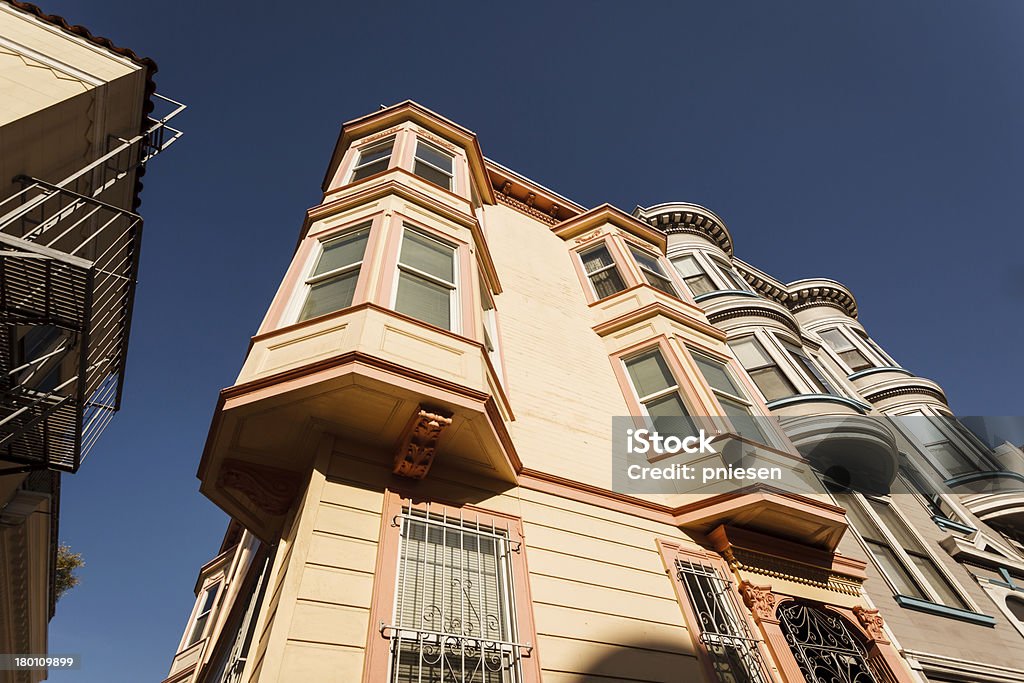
[68, 269]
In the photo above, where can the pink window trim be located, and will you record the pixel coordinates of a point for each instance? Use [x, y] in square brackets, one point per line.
[298, 271]
[376, 663]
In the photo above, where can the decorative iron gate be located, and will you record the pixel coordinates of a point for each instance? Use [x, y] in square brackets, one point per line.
[823, 645]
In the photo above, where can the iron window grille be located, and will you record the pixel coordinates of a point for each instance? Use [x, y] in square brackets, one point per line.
[724, 632]
[824, 647]
[454, 617]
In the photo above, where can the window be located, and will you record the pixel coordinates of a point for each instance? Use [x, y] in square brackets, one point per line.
[696, 278]
[734, 404]
[651, 268]
[454, 607]
[658, 392]
[765, 372]
[434, 165]
[426, 279]
[204, 610]
[947, 457]
[603, 273]
[847, 350]
[898, 552]
[332, 284]
[490, 326]
[1016, 607]
[723, 629]
[373, 159]
[875, 347]
[814, 374]
[734, 279]
[912, 476]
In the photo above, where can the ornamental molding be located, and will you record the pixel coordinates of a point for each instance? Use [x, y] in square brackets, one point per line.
[779, 568]
[505, 197]
[760, 599]
[271, 489]
[380, 134]
[418, 445]
[693, 223]
[872, 622]
[758, 311]
[904, 391]
[818, 293]
[441, 142]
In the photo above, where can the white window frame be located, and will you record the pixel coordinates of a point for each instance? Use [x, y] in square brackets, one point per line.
[307, 284]
[489, 318]
[714, 268]
[803, 372]
[191, 637]
[903, 556]
[676, 388]
[856, 343]
[957, 440]
[437, 148]
[781, 361]
[454, 312]
[601, 244]
[393, 140]
[770, 437]
[660, 274]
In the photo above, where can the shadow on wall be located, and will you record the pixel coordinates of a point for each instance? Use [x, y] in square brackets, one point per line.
[653, 660]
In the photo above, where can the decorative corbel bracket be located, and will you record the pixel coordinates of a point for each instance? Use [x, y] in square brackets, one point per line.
[872, 622]
[418, 444]
[271, 489]
[760, 599]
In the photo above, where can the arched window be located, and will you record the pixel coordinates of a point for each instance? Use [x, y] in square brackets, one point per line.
[824, 646]
[1016, 607]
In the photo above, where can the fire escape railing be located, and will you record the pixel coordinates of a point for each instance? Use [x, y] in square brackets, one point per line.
[68, 268]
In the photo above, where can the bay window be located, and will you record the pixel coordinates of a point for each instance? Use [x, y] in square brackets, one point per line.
[814, 374]
[426, 288]
[694, 275]
[204, 609]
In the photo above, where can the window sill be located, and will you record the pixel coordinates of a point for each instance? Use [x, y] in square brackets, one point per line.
[885, 368]
[818, 398]
[944, 523]
[944, 610]
[723, 292]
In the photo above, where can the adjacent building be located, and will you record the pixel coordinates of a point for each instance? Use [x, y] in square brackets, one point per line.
[417, 455]
[79, 118]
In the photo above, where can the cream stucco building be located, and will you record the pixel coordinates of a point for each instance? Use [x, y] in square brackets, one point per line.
[417, 455]
[79, 119]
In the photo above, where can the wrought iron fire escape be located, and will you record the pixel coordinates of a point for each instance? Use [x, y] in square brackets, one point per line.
[69, 256]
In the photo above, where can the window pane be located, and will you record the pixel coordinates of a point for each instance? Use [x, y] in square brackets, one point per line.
[342, 252]
[646, 261]
[816, 376]
[895, 571]
[772, 383]
[949, 457]
[596, 259]
[716, 375]
[688, 266]
[375, 152]
[650, 374]
[836, 339]
[670, 416]
[434, 156]
[431, 174]
[1016, 608]
[424, 300]
[855, 359]
[938, 581]
[423, 253]
[863, 524]
[330, 295]
[743, 421]
[607, 282]
[750, 353]
[700, 285]
[660, 283]
[895, 525]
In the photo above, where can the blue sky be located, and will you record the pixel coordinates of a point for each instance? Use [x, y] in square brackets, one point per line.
[877, 143]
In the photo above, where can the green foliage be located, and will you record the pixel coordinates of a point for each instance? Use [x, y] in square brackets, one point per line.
[67, 563]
